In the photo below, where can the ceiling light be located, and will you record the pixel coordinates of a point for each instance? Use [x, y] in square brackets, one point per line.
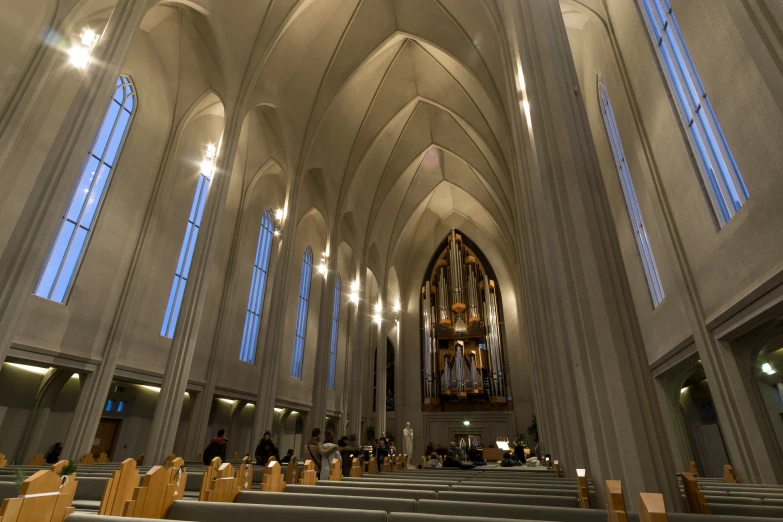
[229, 401]
[75, 376]
[378, 308]
[767, 368]
[279, 214]
[322, 268]
[278, 410]
[187, 394]
[89, 38]
[79, 56]
[376, 318]
[396, 307]
[683, 390]
[32, 369]
[153, 388]
[466, 423]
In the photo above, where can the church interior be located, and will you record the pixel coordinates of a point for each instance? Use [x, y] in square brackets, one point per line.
[496, 236]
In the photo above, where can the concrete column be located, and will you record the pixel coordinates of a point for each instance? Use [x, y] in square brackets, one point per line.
[380, 373]
[24, 254]
[603, 413]
[195, 441]
[355, 368]
[50, 387]
[167, 412]
[317, 416]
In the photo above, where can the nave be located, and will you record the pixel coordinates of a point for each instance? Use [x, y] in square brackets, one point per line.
[395, 492]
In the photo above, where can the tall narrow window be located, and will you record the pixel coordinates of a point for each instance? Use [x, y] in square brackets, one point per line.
[255, 302]
[69, 244]
[186, 254]
[634, 213]
[301, 315]
[722, 178]
[335, 326]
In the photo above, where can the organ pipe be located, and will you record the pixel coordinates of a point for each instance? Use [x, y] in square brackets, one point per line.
[473, 303]
[492, 347]
[455, 257]
[428, 347]
[444, 316]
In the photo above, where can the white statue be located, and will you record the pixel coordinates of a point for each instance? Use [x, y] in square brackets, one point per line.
[407, 443]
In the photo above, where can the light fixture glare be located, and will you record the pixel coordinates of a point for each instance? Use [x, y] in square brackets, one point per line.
[32, 369]
[767, 368]
[153, 388]
[466, 423]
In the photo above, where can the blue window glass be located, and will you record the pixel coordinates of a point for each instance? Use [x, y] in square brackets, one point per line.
[255, 302]
[67, 250]
[721, 176]
[185, 256]
[335, 327]
[301, 315]
[634, 213]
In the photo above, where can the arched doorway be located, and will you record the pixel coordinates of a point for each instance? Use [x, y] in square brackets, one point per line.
[700, 421]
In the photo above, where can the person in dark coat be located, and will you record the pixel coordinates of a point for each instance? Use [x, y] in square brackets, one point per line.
[287, 457]
[54, 453]
[348, 452]
[218, 447]
[266, 448]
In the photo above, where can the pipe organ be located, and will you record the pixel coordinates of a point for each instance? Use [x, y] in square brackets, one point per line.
[462, 352]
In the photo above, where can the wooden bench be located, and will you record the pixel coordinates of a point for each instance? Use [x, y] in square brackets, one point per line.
[44, 497]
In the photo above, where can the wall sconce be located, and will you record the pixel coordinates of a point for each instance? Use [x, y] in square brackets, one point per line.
[354, 295]
[768, 369]
[279, 214]
[322, 265]
[396, 310]
[378, 308]
[80, 53]
[208, 164]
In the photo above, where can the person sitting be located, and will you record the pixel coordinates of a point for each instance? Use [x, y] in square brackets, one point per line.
[430, 449]
[451, 461]
[434, 462]
[53, 456]
[478, 458]
[266, 448]
[507, 461]
[329, 451]
[287, 457]
[532, 462]
[217, 447]
[382, 452]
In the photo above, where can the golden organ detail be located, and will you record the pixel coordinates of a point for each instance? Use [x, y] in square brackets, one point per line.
[462, 352]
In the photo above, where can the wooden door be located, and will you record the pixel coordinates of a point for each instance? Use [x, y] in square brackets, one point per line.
[106, 437]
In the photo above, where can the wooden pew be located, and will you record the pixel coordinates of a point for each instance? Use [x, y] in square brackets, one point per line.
[356, 468]
[372, 466]
[103, 458]
[209, 475]
[583, 492]
[44, 497]
[245, 474]
[200, 457]
[161, 487]
[235, 456]
[290, 471]
[273, 478]
[728, 475]
[225, 486]
[558, 471]
[140, 460]
[423, 462]
[387, 466]
[694, 469]
[3, 461]
[615, 504]
[59, 467]
[308, 477]
[169, 460]
[87, 460]
[37, 460]
[336, 471]
[119, 489]
[397, 464]
[651, 508]
[693, 496]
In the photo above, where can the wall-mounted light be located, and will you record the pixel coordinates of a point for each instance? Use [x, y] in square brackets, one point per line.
[466, 423]
[377, 309]
[80, 53]
[683, 390]
[322, 269]
[279, 214]
[278, 410]
[768, 369]
[32, 369]
[152, 388]
[354, 295]
[208, 164]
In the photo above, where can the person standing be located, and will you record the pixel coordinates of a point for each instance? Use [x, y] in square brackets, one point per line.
[311, 450]
[266, 448]
[329, 452]
[217, 447]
